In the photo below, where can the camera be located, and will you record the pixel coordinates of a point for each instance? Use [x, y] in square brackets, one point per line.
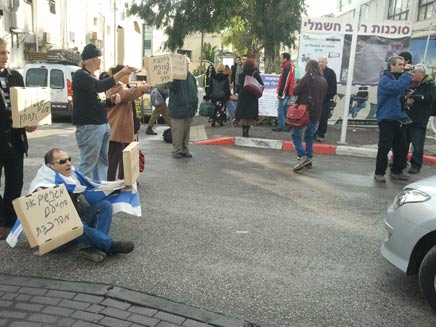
[412, 67]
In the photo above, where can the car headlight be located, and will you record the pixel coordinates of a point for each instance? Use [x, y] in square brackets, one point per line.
[410, 196]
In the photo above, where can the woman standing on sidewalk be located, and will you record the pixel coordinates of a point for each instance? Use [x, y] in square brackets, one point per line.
[120, 118]
[247, 109]
[310, 90]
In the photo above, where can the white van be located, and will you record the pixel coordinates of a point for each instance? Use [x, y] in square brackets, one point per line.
[58, 77]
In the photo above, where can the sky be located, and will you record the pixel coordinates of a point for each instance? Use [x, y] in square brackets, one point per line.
[318, 8]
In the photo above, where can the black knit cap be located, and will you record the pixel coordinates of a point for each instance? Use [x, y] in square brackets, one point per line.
[90, 51]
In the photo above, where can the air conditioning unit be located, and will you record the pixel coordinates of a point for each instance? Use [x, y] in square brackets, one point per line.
[46, 37]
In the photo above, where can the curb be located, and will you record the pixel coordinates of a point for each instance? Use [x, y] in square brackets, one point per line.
[328, 149]
[99, 294]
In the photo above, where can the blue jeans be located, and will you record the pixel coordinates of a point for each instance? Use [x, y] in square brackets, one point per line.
[416, 136]
[282, 110]
[97, 220]
[93, 142]
[308, 132]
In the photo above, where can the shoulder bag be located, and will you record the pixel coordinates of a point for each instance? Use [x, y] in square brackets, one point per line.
[298, 115]
[253, 86]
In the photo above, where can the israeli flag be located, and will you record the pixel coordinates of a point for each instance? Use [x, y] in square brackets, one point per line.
[124, 200]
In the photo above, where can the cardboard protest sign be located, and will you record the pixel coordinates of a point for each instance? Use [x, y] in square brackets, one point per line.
[49, 218]
[165, 68]
[30, 106]
[131, 163]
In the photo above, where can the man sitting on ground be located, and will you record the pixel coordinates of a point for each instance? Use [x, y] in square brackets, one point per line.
[96, 218]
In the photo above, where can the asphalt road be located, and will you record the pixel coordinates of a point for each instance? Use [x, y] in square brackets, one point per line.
[236, 231]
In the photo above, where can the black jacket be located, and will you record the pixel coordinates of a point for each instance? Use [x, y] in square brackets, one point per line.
[13, 141]
[89, 108]
[248, 104]
[332, 85]
[218, 79]
[424, 96]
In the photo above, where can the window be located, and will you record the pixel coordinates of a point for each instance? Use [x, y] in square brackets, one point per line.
[56, 79]
[398, 9]
[52, 6]
[36, 77]
[148, 40]
[426, 9]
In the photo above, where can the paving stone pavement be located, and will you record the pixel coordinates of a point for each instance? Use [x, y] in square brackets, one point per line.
[38, 302]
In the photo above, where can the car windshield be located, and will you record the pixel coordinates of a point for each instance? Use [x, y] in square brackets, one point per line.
[36, 77]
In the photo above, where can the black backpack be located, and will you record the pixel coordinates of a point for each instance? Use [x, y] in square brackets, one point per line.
[218, 88]
[167, 136]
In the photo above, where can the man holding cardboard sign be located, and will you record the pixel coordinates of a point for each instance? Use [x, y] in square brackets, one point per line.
[94, 207]
[13, 143]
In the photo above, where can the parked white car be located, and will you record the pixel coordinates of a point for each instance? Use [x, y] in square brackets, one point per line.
[58, 78]
[410, 244]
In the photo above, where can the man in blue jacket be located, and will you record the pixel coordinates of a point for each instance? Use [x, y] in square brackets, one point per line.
[391, 117]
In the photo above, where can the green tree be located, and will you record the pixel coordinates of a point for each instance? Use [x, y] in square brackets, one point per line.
[209, 52]
[267, 24]
[180, 18]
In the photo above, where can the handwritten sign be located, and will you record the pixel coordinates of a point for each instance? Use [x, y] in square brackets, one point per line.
[165, 68]
[49, 218]
[30, 106]
[131, 163]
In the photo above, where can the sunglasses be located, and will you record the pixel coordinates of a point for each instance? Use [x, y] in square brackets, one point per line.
[62, 161]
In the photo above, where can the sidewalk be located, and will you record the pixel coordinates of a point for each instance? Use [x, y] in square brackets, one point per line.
[37, 302]
[360, 140]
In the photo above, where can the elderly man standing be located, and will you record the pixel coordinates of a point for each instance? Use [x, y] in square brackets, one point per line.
[182, 105]
[330, 76]
[391, 87]
[89, 113]
[13, 143]
[420, 98]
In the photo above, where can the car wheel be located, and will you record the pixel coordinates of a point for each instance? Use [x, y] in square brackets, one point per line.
[427, 277]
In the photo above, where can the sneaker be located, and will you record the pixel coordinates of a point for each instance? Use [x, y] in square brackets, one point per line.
[320, 139]
[302, 162]
[177, 155]
[414, 170]
[186, 155]
[122, 247]
[380, 178]
[400, 176]
[309, 165]
[278, 129]
[92, 254]
[405, 120]
[149, 131]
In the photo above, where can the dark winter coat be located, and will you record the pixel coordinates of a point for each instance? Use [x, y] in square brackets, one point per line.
[13, 141]
[248, 104]
[219, 79]
[183, 100]
[332, 84]
[317, 87]
[424, 96]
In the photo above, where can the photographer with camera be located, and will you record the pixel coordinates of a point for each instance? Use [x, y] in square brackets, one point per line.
[419, 99]
[390, 116]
